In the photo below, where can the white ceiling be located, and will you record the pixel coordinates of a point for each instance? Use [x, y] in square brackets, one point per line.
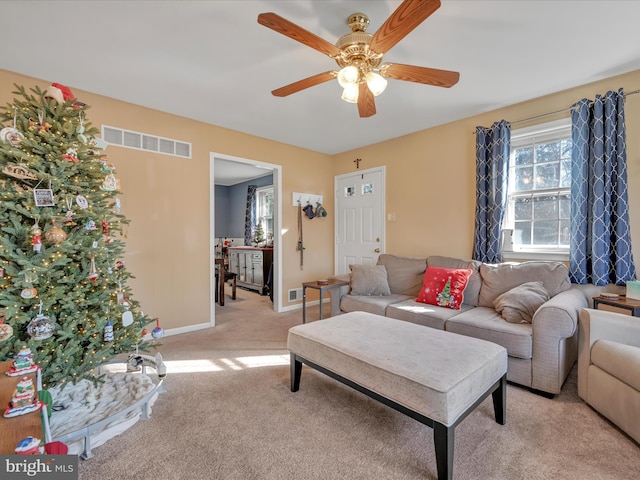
[211, 61]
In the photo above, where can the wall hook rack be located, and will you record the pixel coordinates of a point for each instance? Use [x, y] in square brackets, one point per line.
[306, 199]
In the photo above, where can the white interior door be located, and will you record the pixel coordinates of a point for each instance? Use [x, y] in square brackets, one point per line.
[360, 207]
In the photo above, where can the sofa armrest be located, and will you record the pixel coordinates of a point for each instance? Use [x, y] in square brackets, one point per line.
[558, 316]
[602, 325]
[336, 294]
[555, 326]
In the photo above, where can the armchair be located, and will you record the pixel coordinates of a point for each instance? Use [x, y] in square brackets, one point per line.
[609, 367]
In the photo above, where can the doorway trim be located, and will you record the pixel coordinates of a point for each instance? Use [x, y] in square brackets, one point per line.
[277, 228]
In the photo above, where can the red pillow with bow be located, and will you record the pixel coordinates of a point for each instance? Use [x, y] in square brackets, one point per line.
[444, 287]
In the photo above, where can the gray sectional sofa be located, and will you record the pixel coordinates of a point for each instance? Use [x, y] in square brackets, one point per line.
[541, 353]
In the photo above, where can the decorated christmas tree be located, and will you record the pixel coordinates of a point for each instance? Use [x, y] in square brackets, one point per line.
[63, 283]
[258, 234]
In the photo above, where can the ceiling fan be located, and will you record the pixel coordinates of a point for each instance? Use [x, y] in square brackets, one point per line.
[359, 55]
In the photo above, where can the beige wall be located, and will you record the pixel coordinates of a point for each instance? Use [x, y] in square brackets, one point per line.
[430, 187]
[431, 174]
[167, 200]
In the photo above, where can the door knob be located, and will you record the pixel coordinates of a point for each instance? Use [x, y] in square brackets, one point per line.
[377, 250]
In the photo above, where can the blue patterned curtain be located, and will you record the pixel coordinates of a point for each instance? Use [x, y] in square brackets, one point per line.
[492, 163]
[250, 214]
[600, 234]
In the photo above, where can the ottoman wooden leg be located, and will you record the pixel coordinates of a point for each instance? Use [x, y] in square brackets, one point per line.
[500, 401]
[296, 372]
[443, 437]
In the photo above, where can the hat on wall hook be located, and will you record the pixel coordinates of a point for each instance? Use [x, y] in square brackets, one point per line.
[320, 210]
[308, 211]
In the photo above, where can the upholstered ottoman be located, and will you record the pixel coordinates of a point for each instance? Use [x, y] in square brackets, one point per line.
[433, 376]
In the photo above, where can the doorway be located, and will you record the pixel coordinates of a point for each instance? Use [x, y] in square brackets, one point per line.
[359, 224]
[249, 169]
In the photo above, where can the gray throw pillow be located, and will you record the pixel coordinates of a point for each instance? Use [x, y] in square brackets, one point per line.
[520, 303]
[369, 280]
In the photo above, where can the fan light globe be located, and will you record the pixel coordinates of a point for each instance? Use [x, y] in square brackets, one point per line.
[376, 83]
[350, 94]
[348, 76]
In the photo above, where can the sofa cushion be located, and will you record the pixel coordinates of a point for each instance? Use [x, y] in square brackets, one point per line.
[422, 313]
[619, 360]
[444, 287]
[497, 279]
[485, 323]
[371, 304]
[475, 281]
[520, 303]
[403, 273]
[369, 280]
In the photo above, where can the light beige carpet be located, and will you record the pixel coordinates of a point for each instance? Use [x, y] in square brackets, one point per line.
[228, 414]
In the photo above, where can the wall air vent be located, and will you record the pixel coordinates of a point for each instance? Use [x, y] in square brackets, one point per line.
[295, 294]
[144, 141]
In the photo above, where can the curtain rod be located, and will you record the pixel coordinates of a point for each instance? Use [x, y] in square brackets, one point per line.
[543, 115]
[560, 111]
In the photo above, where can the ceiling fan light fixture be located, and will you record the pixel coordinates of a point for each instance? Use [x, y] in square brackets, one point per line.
[348, 76]
[350, 93]
[376, 83]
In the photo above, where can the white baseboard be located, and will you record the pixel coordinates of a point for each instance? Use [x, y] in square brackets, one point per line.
[188, 328]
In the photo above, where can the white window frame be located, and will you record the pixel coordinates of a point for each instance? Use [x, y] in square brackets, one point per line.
[260, 194]
[536, 134]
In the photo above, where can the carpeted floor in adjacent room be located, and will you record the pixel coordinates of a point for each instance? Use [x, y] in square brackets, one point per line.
[228, 414]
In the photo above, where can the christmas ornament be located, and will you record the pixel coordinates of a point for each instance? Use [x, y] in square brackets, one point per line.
[24, 399]
[6, 331]
[98, 143]
[157, 332]
[19, 171]
[110, 183]
[22, 363]
[71, 155]
[105, 227]
[69, 213]
[127, 318]
[60, 93]
[55, 234]
[41, 327]
[44, 126]
[28, 293]
[108, 332]
[36, 237]
[29, 446]
[80, 129]
[12, 135]
[43, 196]
[93, 273]
[106, 166]
[90, 225]
[82, 202]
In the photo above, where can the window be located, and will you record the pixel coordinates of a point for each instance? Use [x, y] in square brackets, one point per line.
[264, 210]
[539, 199]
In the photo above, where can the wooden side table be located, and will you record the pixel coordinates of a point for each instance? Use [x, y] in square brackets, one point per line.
[622, 302]
[333, 283]
[14, 429]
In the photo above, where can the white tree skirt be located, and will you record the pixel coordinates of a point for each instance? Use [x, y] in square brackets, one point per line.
[85, 404]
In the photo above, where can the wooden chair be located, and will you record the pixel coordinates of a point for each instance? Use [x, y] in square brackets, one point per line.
[221, 272]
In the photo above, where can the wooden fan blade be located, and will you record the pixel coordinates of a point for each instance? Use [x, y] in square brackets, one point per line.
[304, 83]
[285, 27]
[428, 76]
[366, 103]
[406, 17]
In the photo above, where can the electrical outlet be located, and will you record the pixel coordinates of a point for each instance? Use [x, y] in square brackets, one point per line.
[391, 216]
